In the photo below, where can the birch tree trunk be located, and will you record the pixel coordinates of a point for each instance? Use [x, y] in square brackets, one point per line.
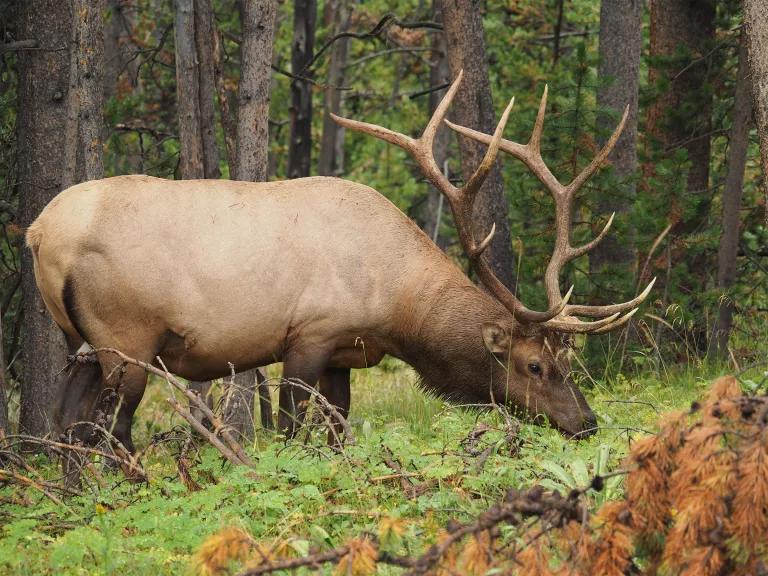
[730, 221]
[473, 107]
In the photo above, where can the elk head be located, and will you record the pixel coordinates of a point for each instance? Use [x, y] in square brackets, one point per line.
[530, 346]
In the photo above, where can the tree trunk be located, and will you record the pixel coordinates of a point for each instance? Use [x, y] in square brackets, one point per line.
[756, 27]
[118, 46]
[621, 42]
[473, 107]
[337, 21]
[682, 34]
[90, 67]
[187, 91]
[681, 116]
[734, 181]
[258, 17]
[205, 34]
[253, 97]
[42, 92]
[188, 26]
[435, 205]
[228, 123]
[3, 397]
[300, 149]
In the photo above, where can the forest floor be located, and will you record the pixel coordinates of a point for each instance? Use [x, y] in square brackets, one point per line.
[302, 496]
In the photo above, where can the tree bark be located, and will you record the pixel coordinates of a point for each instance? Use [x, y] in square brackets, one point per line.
[337, 21]
[228, 123]
[681, 115]
[4, 429]
[621, 42]
[205, 34]
[473, 107]
[118, 45]
[90, 67]
[682, 35]
[756, 29]
[734, 182]
[42, 92]
[253, 97]
[187, 91]
[196, 160]
[435, 205]
[259, 18]
[302, 49]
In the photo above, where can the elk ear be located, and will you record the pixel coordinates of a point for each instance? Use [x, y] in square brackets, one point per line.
[496, 338]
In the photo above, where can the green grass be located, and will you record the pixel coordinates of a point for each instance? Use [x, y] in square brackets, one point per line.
[312, 497]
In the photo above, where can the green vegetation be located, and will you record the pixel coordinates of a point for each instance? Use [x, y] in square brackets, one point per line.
[307, 496]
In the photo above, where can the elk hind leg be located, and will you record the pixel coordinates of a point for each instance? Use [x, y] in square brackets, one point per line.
[79, 387]
[334, 385]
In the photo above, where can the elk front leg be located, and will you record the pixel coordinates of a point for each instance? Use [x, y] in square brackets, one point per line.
[334, 385]
[306, 366]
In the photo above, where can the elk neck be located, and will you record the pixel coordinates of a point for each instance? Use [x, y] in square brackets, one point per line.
[444, 341]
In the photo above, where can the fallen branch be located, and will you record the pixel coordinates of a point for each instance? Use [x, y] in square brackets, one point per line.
[61, 447]
[349, 437]
[234, 452]
[204, 432]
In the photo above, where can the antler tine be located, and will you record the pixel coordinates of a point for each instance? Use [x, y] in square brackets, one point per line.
[428, 136]
[575, 326]
[538, 127]
[484, 244]
[618, 324]
[581, 250]
[609, 309]
[473, 185]
[463, 216]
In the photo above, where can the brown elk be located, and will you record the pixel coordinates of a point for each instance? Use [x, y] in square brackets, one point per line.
[322, 274]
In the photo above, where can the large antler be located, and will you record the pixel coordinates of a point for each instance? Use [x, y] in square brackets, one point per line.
[462, 199]
[563, 252]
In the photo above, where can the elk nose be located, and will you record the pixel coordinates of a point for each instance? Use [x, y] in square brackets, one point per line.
[588, 426]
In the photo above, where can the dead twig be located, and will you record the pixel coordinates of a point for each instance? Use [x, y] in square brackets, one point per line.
[10, 475]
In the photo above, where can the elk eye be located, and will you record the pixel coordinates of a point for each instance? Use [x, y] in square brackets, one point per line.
[534, 368]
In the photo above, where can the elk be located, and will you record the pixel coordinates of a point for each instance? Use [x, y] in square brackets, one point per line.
[320, 273]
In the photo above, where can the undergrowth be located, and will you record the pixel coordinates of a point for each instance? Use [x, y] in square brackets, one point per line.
[307, 497]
